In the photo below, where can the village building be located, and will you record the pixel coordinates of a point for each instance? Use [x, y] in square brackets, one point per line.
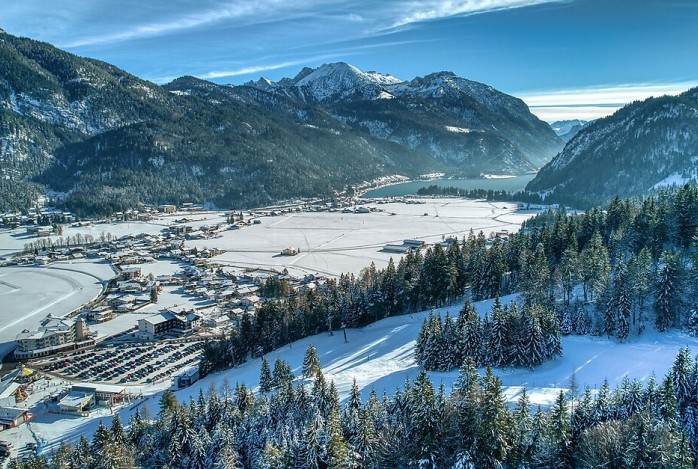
[186, 377]
[11, 417]
[76, 403]
[53, 336]
[167, 322]
[130, 273]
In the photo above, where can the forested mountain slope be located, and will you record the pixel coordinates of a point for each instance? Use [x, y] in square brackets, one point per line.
[643, 146]
[112, 140]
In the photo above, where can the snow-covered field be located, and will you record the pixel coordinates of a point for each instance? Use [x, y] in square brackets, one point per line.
[381, 356]
[28, 294]
[333, 243]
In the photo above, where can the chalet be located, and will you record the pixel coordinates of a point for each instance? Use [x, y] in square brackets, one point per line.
[123, 300]
[130, 273]
[100, 314]
[130, 287]
[250, 301]
[165, 208]
[11, 417]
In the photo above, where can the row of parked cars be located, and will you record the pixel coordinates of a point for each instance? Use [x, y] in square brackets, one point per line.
[126, 364]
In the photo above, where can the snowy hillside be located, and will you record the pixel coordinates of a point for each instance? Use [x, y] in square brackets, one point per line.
[381, 356]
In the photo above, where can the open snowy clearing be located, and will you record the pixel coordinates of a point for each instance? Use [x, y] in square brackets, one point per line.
[381, 356]
[332, 242]
[28, 294]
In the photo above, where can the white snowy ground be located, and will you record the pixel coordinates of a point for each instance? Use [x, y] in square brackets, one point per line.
[28, 294]
[333, 243]
[330, 243]
[381, 356]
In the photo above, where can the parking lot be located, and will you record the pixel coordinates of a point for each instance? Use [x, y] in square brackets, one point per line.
[143, 363]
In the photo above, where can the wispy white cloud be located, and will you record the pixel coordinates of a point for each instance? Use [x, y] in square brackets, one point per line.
[253, 69]
[220, 13]
[595, 102]
[619, 94]
[263, 68]
[376, 18]
[428, 10]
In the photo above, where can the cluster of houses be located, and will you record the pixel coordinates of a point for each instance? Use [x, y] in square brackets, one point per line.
[35, 217]
[225, 296]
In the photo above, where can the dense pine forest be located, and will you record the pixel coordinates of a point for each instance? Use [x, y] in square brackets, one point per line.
[301, 424]
[613, 271]
[506, 336]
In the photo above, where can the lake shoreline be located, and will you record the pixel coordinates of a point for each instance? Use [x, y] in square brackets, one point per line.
[410, 188]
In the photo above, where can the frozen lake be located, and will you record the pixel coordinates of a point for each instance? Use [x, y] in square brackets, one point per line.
[28, 294]
[514, 184]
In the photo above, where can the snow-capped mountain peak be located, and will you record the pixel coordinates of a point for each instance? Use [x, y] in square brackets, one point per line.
[262, 84]
[335, 81]
[564, 126]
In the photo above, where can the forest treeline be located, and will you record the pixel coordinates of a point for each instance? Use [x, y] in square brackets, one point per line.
[612, 270]
[301, 424]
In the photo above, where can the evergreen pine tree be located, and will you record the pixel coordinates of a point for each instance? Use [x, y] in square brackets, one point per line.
[520, 455]
[282, 375]
[668, 301]
[491, 441]
[265, 378]
[498, 343]
[311, 362]
[692, 321]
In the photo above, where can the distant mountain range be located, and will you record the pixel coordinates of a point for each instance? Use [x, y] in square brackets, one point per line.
[470, 127]
[644, 146]
[109, 140]
[567, 129]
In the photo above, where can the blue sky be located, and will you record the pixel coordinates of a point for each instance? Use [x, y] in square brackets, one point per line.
[565, 58]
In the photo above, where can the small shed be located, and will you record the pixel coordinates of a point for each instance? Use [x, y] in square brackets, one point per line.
[186, 377]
